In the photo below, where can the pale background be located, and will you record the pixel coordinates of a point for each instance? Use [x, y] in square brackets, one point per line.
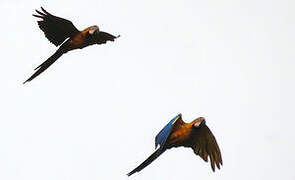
[94, 114]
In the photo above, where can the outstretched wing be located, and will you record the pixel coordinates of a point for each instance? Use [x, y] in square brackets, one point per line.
[56, 29]
[204, 144]
[101, 38]
[166, 131]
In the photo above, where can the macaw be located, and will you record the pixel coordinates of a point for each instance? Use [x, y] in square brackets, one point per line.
[195, 135]
[57, 30]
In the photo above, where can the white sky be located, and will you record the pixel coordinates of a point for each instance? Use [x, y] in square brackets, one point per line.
[94, 113]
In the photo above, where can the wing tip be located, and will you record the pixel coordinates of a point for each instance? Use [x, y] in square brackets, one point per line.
[38, 16]
[44, 10]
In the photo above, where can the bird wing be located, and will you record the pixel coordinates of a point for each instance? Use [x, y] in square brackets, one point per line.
[204, 144]
[101, 38]
[148, 161]
[56, 29]
[166, 131]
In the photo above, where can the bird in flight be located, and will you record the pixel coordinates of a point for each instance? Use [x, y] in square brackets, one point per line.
[57, 30]
[195, 135]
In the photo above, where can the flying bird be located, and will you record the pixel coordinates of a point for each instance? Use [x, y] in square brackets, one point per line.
[57, 30]
[195, 135]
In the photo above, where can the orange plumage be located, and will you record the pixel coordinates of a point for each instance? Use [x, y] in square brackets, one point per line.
[195, 135]
[61, 32]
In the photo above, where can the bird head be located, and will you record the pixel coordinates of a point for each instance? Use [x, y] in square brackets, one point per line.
[93, 29]
[199, 122]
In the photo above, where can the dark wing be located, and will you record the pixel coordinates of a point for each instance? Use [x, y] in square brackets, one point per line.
[204, 144]
[56, 29]
[101, 38]
[166, 131]
[148, 161]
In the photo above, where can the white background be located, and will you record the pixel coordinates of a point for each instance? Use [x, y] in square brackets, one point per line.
[93, 115]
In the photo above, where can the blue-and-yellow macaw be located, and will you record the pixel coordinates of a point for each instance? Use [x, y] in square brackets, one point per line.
[62, 32]
[195, 135]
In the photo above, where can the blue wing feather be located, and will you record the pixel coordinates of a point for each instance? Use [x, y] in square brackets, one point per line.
[165, 132]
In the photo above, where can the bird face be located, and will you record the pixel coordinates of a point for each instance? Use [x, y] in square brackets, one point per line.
[93, 29]
[199, 122]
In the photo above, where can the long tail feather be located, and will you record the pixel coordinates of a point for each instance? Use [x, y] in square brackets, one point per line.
[148, 161]
[42, 67]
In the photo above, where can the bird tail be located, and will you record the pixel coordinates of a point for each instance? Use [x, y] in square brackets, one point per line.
[42, 67]
[148, 161]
